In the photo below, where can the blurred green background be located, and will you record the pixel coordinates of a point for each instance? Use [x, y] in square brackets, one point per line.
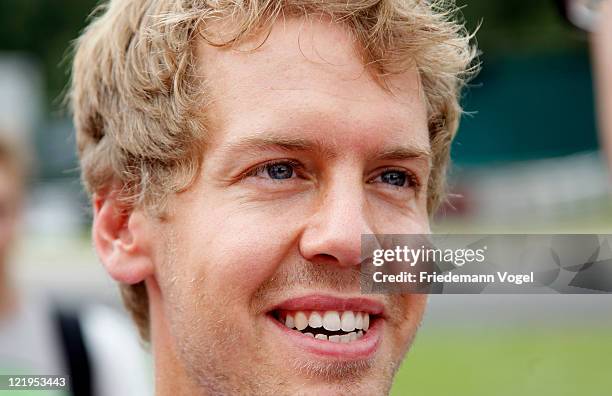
[508, 362]
[526, 160]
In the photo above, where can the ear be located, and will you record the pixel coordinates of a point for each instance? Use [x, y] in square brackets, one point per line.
[122, 239]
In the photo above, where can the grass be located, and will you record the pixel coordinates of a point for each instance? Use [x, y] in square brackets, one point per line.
[507, 362]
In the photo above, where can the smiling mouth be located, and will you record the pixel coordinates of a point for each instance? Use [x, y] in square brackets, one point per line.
[330, 327]
[334, 326]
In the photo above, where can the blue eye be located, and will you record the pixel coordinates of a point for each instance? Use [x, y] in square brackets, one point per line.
[394, 178]
[279, 171]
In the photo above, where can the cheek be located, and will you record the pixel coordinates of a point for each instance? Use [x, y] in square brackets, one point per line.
[406, 314]
[390, 220]
[232, 250]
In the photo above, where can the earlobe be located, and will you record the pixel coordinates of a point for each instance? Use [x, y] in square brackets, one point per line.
[121, 237]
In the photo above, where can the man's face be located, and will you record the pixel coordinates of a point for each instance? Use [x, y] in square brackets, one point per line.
[306, 154]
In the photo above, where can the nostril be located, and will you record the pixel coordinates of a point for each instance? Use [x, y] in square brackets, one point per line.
[326, 257]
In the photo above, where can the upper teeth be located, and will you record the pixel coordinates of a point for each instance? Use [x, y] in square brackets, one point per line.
[301, 321]
[315, 321]
[347, 321]
[330, 320]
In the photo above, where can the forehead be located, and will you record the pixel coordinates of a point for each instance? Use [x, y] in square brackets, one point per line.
[308, 76]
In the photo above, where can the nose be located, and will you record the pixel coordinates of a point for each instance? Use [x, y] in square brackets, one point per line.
[333, 233]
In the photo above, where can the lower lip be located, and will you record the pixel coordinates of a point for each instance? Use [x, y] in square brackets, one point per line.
[362, 348]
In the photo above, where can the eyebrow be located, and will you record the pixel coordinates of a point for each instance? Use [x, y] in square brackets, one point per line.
[405, 153]
[273, 141]
[293, 144]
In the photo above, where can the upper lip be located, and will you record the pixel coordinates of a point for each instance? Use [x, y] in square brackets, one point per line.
[322, 302]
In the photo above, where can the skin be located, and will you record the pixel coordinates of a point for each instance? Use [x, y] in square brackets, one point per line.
[602, 63]
[239, 241]
[10, 210]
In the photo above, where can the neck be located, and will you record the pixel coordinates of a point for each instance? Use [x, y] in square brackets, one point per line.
[171, 379]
